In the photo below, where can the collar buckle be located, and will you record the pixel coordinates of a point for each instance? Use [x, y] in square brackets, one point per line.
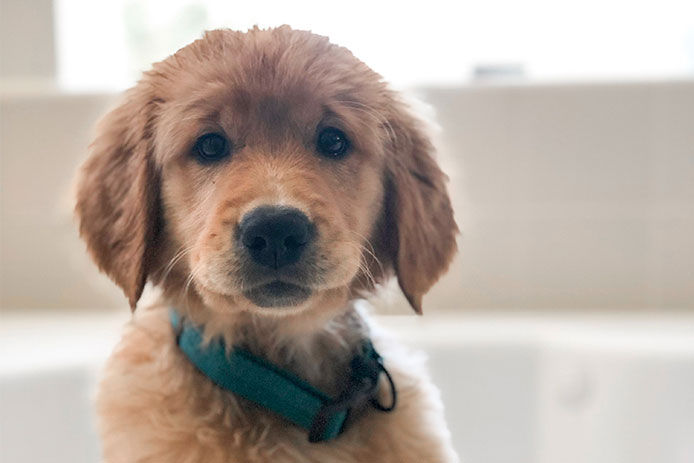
[355, 397]
[362, 388]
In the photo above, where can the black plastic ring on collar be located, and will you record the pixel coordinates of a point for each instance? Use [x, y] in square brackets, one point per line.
[393, 392]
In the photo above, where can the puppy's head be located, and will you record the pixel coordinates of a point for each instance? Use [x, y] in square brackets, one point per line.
[266, 171]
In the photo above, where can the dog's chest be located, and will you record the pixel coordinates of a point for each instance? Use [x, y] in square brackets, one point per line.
[154, 406]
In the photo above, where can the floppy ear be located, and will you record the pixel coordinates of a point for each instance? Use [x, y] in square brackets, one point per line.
[419, 221]
[117, 194]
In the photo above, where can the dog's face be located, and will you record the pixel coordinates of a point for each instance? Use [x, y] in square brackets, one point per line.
[267, 171]
[270, 183]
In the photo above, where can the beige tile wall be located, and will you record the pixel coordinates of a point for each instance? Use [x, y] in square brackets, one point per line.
[571, 196]
[43, 138]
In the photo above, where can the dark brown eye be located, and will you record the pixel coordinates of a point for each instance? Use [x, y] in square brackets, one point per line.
[332, 143]
[210, 148]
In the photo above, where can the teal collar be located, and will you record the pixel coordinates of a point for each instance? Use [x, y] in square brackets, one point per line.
[278, 390]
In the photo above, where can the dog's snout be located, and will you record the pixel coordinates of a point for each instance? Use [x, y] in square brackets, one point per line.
[275, 236]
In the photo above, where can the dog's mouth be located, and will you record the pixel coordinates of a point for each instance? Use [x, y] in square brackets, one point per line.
[277, 294]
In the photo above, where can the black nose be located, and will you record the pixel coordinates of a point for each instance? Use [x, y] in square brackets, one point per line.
[275, 236]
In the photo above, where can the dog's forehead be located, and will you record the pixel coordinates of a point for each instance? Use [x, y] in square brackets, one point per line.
[271, 109]
[259, 108]
[273, 70]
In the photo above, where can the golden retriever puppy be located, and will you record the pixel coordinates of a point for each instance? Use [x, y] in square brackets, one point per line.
[265, 181]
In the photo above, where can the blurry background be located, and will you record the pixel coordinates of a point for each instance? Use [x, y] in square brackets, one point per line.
[564, 331]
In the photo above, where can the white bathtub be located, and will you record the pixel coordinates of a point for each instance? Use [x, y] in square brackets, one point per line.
[537, 388]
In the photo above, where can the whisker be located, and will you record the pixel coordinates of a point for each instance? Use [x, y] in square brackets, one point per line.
[363, 268]
[174, 260]
[184, 292]
[370, 250]
[189, 280]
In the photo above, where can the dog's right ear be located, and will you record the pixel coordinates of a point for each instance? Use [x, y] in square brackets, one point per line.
[117, 193]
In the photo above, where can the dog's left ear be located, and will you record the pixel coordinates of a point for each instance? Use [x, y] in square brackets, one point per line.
[117, 193]
[419, 225]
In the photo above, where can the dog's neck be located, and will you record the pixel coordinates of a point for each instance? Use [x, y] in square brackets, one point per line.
[319, 352]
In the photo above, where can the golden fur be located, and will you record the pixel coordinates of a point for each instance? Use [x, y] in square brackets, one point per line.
[149, 212]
